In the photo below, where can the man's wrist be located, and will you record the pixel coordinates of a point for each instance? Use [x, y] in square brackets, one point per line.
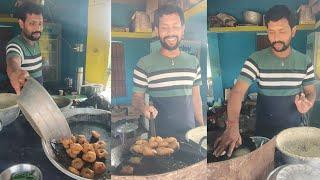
[13, 72]
[232, 123]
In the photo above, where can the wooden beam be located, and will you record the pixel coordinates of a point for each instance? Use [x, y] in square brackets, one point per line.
[8, 20]
[254, 28]
[312, 2]
[140, 35]
[130, 1]
[315, 8]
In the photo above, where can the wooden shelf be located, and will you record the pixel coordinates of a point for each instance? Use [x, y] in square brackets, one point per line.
[8, 20]
[4, 26]
[143, 35]
[254, 28]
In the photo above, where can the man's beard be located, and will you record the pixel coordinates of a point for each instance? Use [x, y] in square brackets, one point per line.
[168, 47]
[284, 46]
[31, 37]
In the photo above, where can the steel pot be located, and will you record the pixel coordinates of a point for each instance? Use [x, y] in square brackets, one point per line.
[252, 17]
[299, 145]
[91, 89]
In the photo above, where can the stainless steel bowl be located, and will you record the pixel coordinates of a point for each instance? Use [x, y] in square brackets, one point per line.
[273, 174]
[91, 89]
[62, 102]
[9, 110]
[20, 168]
[252, 17]
[298, 172]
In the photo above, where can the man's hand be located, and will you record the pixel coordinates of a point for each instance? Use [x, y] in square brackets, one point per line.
[18, 79]
[150, 111]
[229, 140]
[302, 103]
[140, 107]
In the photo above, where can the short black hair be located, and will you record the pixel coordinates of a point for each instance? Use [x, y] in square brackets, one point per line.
[165, 10]
[28, 8]
[278, 12]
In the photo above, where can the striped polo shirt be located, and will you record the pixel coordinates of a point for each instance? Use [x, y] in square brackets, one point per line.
[169, 83]
[31, 59]
[278, 77]
[161, 76]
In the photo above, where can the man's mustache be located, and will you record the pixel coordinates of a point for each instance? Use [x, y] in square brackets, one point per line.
[167, 37]
[281, 42]
[36, 32]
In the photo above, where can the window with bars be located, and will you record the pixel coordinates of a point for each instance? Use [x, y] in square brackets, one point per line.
[118, 75]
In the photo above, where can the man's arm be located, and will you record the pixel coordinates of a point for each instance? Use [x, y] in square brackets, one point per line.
[138, 102]
[235, 101]
[140, 107]
[197, 105]
[231, 137]
[16, 75]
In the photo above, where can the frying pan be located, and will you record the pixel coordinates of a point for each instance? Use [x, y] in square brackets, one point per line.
[187, 155]
[81, 121]
[213, 135]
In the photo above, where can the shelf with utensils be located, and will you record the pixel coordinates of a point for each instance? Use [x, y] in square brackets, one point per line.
[143, 35]
[198, 8]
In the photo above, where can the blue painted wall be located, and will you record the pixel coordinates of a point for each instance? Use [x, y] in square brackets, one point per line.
[122, 13]
[234, 48]
[134, 49]
[7, 6]
[196, 29]
[73, 16]
[214, 60]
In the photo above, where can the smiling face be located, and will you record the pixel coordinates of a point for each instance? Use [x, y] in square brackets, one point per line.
[170, 31]
[32, 26]
[280, 34]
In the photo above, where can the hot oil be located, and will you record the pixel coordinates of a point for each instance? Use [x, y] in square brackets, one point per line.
[84, 128]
